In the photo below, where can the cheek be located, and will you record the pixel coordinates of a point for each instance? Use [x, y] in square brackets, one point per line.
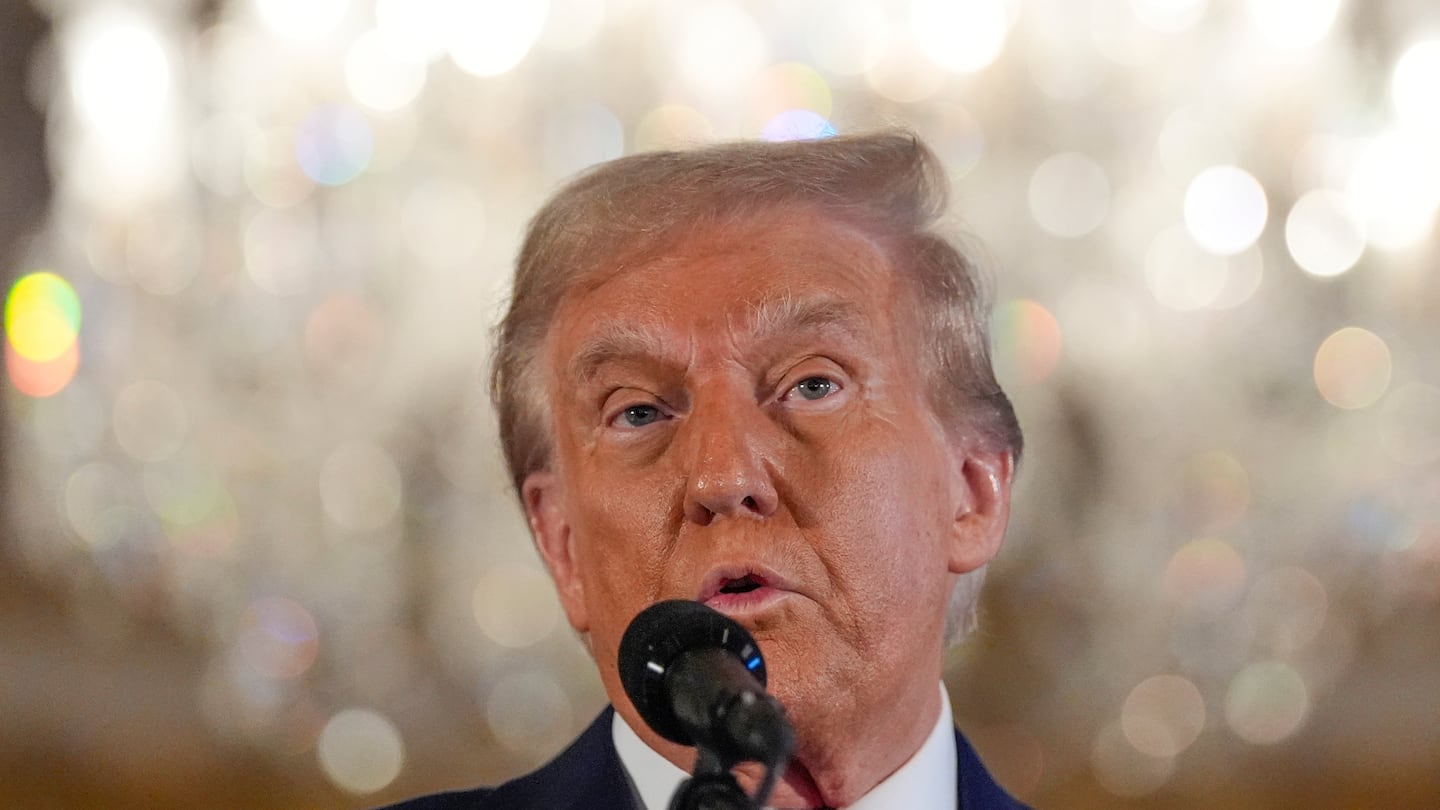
[621, 526]
[886, 500]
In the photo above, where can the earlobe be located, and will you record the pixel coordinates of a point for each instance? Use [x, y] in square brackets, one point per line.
[982, 510]
[545, 509]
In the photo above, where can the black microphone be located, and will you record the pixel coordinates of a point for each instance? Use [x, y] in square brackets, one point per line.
[697, 678]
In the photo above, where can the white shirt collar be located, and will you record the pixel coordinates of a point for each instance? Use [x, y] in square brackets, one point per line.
[927, 779]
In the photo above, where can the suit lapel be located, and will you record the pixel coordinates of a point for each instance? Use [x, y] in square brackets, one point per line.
[977, 790]
[586, 775]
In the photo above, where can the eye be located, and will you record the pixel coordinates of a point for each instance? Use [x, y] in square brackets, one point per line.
[813, 388]
[639, 415]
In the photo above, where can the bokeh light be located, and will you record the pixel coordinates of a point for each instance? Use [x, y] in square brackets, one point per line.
[850, 38]
[1286, 609]
[794, 84]
[41, 378]
[361, 751]
[515, 605]
[271, 170]
[957, 136]
[797, 125]
[672, 126]
[1122, 769]
[1180, 275]
[1266, 702]
[715, 44]
[1205, 577]
[1069, 195]
[1324, 237]
[42, 316]
[1106, 326]
[309, 20]
[89, 493]
[1169, 16]
[1243, 274]
[1216, 491]
[573, 24]
[902, 73]
[1119, 36]
[529, 712]
[415, 29]
[1163, 715]
[380, 77]
[794, 93]
[1027, 342]
[163, 259]
[282, 250]
[121, 75]
[1394, 185]
[1225, 210]
[575, 138]
[1065, 67]
[1322, 163]
[490, 37]
[360, 486]
[1292, 23]
[333, 145]
[194, 505]
[342, 336]
[122, 81]
[960, 36]
[1413, 83]
[278, 638]
[1192, 139]
[1352, 368]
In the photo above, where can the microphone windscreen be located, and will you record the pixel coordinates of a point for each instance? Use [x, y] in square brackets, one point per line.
[660, 633]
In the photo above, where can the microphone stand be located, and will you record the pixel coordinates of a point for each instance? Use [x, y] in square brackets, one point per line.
[712, 787]
[744, 727]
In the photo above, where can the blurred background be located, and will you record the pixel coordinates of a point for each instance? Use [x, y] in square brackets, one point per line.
[257, 548]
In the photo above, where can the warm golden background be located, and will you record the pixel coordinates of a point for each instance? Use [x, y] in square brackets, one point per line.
[257, 548]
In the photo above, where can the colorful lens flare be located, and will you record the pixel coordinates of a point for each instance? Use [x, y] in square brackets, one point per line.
[334, 145]
[1027, 341]
[42, 325]
[798, 125]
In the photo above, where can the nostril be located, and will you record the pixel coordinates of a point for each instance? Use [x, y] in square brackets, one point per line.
[749, 503]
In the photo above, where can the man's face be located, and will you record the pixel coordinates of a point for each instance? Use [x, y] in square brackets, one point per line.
[745, 422]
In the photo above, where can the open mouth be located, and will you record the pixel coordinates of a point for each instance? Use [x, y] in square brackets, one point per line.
[744, 584]
[743, 587]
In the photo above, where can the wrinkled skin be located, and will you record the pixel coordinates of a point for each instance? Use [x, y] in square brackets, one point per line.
[754, 400]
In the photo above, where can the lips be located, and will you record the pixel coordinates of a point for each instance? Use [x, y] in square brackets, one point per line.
[738, 589]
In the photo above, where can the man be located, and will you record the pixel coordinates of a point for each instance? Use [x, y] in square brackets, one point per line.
[753, 376]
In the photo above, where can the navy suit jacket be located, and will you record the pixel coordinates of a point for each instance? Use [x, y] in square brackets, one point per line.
[588, 776]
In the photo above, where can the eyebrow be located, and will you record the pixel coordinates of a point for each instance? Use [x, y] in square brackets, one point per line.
[613, 342]
[764, 322]
[783, 315]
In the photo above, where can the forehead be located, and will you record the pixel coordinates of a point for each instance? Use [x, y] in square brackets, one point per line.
[762, 275]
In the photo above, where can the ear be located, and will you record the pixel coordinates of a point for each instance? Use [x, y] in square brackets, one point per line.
[982, 507]
[544, 498]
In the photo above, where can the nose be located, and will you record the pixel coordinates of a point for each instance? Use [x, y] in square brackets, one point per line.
[730, 472]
